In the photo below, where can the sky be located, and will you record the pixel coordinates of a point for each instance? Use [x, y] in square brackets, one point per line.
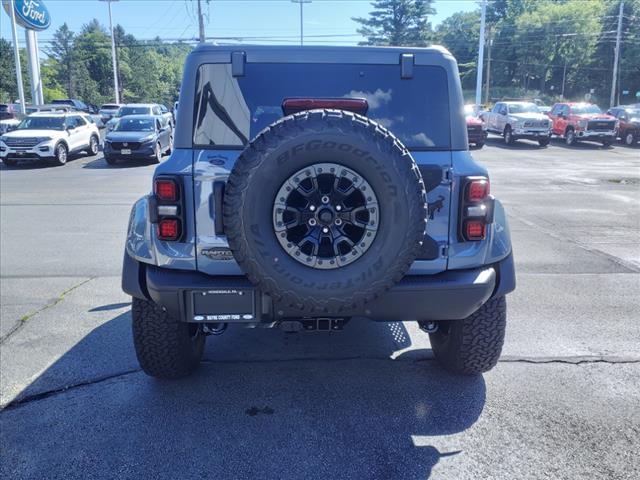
[325, 21]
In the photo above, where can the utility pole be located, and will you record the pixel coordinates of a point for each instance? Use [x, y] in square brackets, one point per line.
[200, 22]
[480, 56]
[616, 56]
[116, 86]
[301, 2]
[486, 87]
[564, 76]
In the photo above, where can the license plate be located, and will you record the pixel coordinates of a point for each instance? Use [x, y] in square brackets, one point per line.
[125, 151]
[223, 305]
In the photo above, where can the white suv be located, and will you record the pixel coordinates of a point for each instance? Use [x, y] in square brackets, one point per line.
[51, 136]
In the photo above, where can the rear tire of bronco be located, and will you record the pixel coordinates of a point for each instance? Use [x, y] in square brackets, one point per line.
[356, 223]
[473, 345]
[165, 347]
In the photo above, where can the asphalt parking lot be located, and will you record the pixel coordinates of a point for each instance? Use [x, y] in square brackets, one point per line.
[368, 402]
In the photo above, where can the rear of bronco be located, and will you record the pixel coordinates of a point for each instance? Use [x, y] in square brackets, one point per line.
[308, 186]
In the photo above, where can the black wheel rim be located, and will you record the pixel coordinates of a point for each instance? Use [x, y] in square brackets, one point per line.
[326, 216]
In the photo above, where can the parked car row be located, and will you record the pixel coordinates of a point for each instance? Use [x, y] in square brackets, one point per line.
[50, 136]
[54, 134]
[571, 121]
[154, 109]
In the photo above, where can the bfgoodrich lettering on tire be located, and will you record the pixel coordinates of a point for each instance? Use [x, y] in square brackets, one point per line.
[289, 210]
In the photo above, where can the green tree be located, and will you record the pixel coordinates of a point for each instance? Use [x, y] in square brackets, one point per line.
[460, 33]
[397, 22]
[63, 64]
[8, 83]
[556, 33]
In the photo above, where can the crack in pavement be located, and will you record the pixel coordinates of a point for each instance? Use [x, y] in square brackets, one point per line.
[572, 360]
[56, 391]
[25, 318]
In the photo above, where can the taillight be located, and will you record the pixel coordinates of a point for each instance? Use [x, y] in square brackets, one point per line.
[477, 189]
[169, 229]
[166, 189]
[475, 229]
[294, 105]
[476, 208]
[166, 208]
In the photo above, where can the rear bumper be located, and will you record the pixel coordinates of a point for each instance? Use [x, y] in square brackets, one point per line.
[450, 295]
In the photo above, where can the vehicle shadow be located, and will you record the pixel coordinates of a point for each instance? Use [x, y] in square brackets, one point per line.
[263, 404]
[33, 164]
[581, 145]
[100, 163]
[498, 142]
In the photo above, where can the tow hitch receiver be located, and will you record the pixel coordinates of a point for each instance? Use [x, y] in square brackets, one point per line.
[314, 324]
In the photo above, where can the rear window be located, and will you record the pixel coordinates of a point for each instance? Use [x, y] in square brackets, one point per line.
[229, 111]
[124, 111]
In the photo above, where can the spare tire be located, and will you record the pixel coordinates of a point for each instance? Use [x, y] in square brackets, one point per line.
[324, 210]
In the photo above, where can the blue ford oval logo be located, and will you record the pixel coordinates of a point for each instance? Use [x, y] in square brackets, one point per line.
[32, 14]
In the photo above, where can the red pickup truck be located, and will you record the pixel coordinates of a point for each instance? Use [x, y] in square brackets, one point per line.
[582, 121]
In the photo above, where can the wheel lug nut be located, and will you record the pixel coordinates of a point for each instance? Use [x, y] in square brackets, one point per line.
[325, 199]
[338, 221]
[312, 208]
[338, 208]
[312, 222]
[325, 230]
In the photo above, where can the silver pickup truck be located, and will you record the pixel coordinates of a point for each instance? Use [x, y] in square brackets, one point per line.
[516, 120]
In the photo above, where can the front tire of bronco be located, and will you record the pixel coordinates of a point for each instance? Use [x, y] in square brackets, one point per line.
[165, 347]
[473, 345]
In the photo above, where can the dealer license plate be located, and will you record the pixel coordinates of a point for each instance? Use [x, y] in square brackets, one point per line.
[125, 151]
[223, 305]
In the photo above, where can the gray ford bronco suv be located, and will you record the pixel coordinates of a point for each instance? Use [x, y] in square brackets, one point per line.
[309, 185]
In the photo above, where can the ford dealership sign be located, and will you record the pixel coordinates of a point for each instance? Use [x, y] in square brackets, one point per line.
[31, 14]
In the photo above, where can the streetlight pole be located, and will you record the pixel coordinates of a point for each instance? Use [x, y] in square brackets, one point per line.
[301, 19]
[16, 57]
[480, 56]
[116, 87]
